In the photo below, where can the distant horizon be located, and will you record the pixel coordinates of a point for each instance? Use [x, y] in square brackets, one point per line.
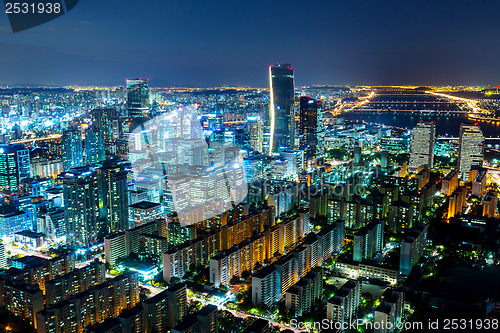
[196, 86]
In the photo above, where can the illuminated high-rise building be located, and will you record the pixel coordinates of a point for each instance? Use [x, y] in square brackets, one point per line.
[94, 146]
[14, 166]
[412, 247]
[143, 212]
[176, 192]
[343, 306]
[301, 296]
[312, 130]
[83, 206]
[390, 312]
[13, 220]
[137, 98]
[21, 300]
[281, 108]
[72, 153]
[3, 259]
[193, 152]
[422, 145]
[103, 120]
[113, 178]
[156, 316]
[62, 287]
[177, 303]
[113, 298]
[471, 149]
[256, 138]
[295, 162]
[115, 248]
[255, 167]
[368, 241]
[266, 286]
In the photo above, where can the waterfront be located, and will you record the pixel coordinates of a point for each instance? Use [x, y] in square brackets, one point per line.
[445, 125]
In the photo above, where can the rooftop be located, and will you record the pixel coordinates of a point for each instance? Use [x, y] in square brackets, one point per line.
[145, 205]
[29, 234]
[31, 261]
[176, 287]
[207, 310]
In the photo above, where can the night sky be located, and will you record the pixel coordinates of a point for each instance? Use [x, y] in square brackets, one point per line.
[204, 43]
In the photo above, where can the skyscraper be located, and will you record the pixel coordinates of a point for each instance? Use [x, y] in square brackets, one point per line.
[343, 307]
[14, 166]
[177, 303]
[137, 98]
[368, 241]
[254, 126]
[411, 249]
[94, 145]
[311, 130]
[72, 154]
[82, 206]
[471, 149]
[156, 313]
[3, 260]
[281, 108]
[103, 120]
[422, 145]
[113, 178]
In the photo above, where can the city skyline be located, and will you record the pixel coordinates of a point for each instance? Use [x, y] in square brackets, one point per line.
[165, 195]
[159, 179]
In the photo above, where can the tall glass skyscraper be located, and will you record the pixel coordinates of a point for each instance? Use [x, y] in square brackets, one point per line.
[113, 178]
[138, 98]
[72, 153]
[312, 130]
[470, 149]
[94, 146]
[103, 120]
[83, 207]
[254, 126]
[14, 166]
[281, 108]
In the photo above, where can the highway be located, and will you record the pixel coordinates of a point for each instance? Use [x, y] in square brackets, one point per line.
[50, 137]
[471, 103]
[351, 106]
[17, 250]
[244, 315]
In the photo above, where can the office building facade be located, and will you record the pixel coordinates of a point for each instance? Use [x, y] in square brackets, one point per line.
[311, 128]
[137, 98]
[470, 150]
[422, 145]
[281, 108]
